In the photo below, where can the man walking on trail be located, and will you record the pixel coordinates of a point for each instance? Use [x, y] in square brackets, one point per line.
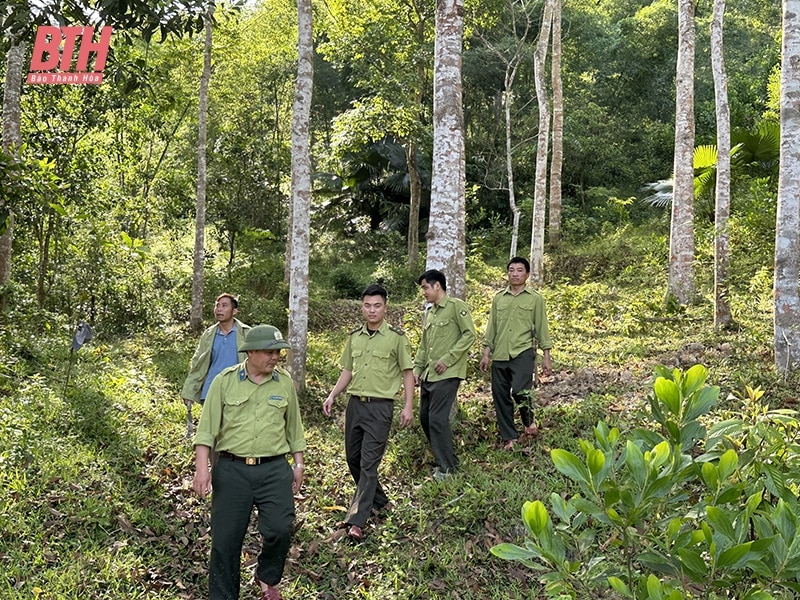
[218, 349]
[517, 324]
[376, 361]
[440, 365]
[252, 417]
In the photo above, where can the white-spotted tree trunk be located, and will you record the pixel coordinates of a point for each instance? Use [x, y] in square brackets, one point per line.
[196, 315]
[446, 236]
[557, 158]
[301, 195]
[787, 230]
[722, 307]
[680, 286]
[542, 143]
[12, 138]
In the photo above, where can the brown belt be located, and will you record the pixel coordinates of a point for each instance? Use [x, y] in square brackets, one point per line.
[251, 460]
[370, 399]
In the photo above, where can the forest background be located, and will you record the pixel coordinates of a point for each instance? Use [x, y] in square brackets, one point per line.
[95, 484]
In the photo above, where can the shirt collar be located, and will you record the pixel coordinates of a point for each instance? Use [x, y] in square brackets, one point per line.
[243, 372]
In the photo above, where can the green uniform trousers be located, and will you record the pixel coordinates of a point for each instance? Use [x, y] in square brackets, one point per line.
[509, 378]
[237, 488]
[435, 401]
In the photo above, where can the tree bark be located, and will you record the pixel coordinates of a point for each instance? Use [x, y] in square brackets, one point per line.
[196, 315]
[681, 240]
[446, 235]
[787, 230]
[415, 196]
[542, 142]
[301, 195]
[557, 159]
[12, 139]
[722, 308]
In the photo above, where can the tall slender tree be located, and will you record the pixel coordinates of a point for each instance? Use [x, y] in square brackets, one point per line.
[722, 307]
[542, 142]
[198, 262]
[680, 286]
[301, 194]
[787, 230]
[557, 158]
[12, 138]
[446, 235]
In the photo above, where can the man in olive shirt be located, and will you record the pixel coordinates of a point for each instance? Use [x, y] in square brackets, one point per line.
[375, 362]
[440, 365]
[517, 323]
[252, 417]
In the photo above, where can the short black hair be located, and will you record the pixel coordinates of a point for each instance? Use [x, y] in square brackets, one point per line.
[432, 276]
[519, 260]
[375, 290]
[234, 299]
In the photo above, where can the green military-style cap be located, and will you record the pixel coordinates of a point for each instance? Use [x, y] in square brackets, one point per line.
[263, 337]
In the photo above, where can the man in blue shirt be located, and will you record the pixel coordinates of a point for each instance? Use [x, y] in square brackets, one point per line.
[218, 349]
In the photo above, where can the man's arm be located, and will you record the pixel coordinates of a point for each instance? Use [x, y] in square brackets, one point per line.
[202, 471]
[297, 471]
[341, 385]
[407, 414]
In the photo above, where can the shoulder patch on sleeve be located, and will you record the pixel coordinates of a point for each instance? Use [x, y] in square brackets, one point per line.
[397, 330]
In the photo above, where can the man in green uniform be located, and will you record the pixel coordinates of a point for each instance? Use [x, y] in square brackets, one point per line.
[375, 362]
[252, 417]
[517, 324]
[440, 365]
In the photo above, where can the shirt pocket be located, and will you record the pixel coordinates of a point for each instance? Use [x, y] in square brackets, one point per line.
[235, 407]
[276, 408]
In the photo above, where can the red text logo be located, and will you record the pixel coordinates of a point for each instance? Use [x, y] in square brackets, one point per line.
[54, 51]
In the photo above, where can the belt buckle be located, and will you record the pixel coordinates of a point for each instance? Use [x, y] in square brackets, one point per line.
[251, 461]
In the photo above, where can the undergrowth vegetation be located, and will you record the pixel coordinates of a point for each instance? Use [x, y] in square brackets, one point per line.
[95, 468]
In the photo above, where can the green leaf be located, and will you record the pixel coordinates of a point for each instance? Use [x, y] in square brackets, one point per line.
[736, 557]
[634, 459]
[720, 521]
[708, 472]
[512, 552]
[620, 587]
[654, 590]
[571, 466]
[727, 464]
[694, 563]
[535, 516]
[668, 393]
[693, 379]
[596, 461]
[702, 403]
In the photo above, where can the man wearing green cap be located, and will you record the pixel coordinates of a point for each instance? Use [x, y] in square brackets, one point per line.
[252, 417]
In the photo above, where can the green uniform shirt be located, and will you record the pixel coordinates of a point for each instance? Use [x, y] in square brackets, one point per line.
[251, 419]
[516, 323]
[447, 335]
[377, 361]
[198, 367]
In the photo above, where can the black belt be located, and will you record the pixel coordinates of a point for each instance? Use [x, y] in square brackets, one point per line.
[251, 460]
[371, 399]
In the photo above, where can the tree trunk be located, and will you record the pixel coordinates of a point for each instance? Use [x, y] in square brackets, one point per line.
[415, 197]
[301, 194]
[722, 308]
[681, 240]
[787, 230]
[12, 140]
[554, 224]
[540, 190]
[446, 236]
[196, 316]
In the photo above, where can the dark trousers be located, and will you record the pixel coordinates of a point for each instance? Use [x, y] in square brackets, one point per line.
[435, 401]
[509, 378]
[366, 432]
[237, 488]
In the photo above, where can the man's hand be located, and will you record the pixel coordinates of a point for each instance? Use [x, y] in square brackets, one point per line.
[440, 367]
[327, 405]
[298, 479]
[202, 482]
[484, 364]
[406, 416]
[188, 402]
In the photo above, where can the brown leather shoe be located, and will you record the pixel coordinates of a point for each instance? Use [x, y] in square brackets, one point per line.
[355, 533]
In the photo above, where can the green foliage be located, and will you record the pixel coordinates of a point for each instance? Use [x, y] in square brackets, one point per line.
[673, 525]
